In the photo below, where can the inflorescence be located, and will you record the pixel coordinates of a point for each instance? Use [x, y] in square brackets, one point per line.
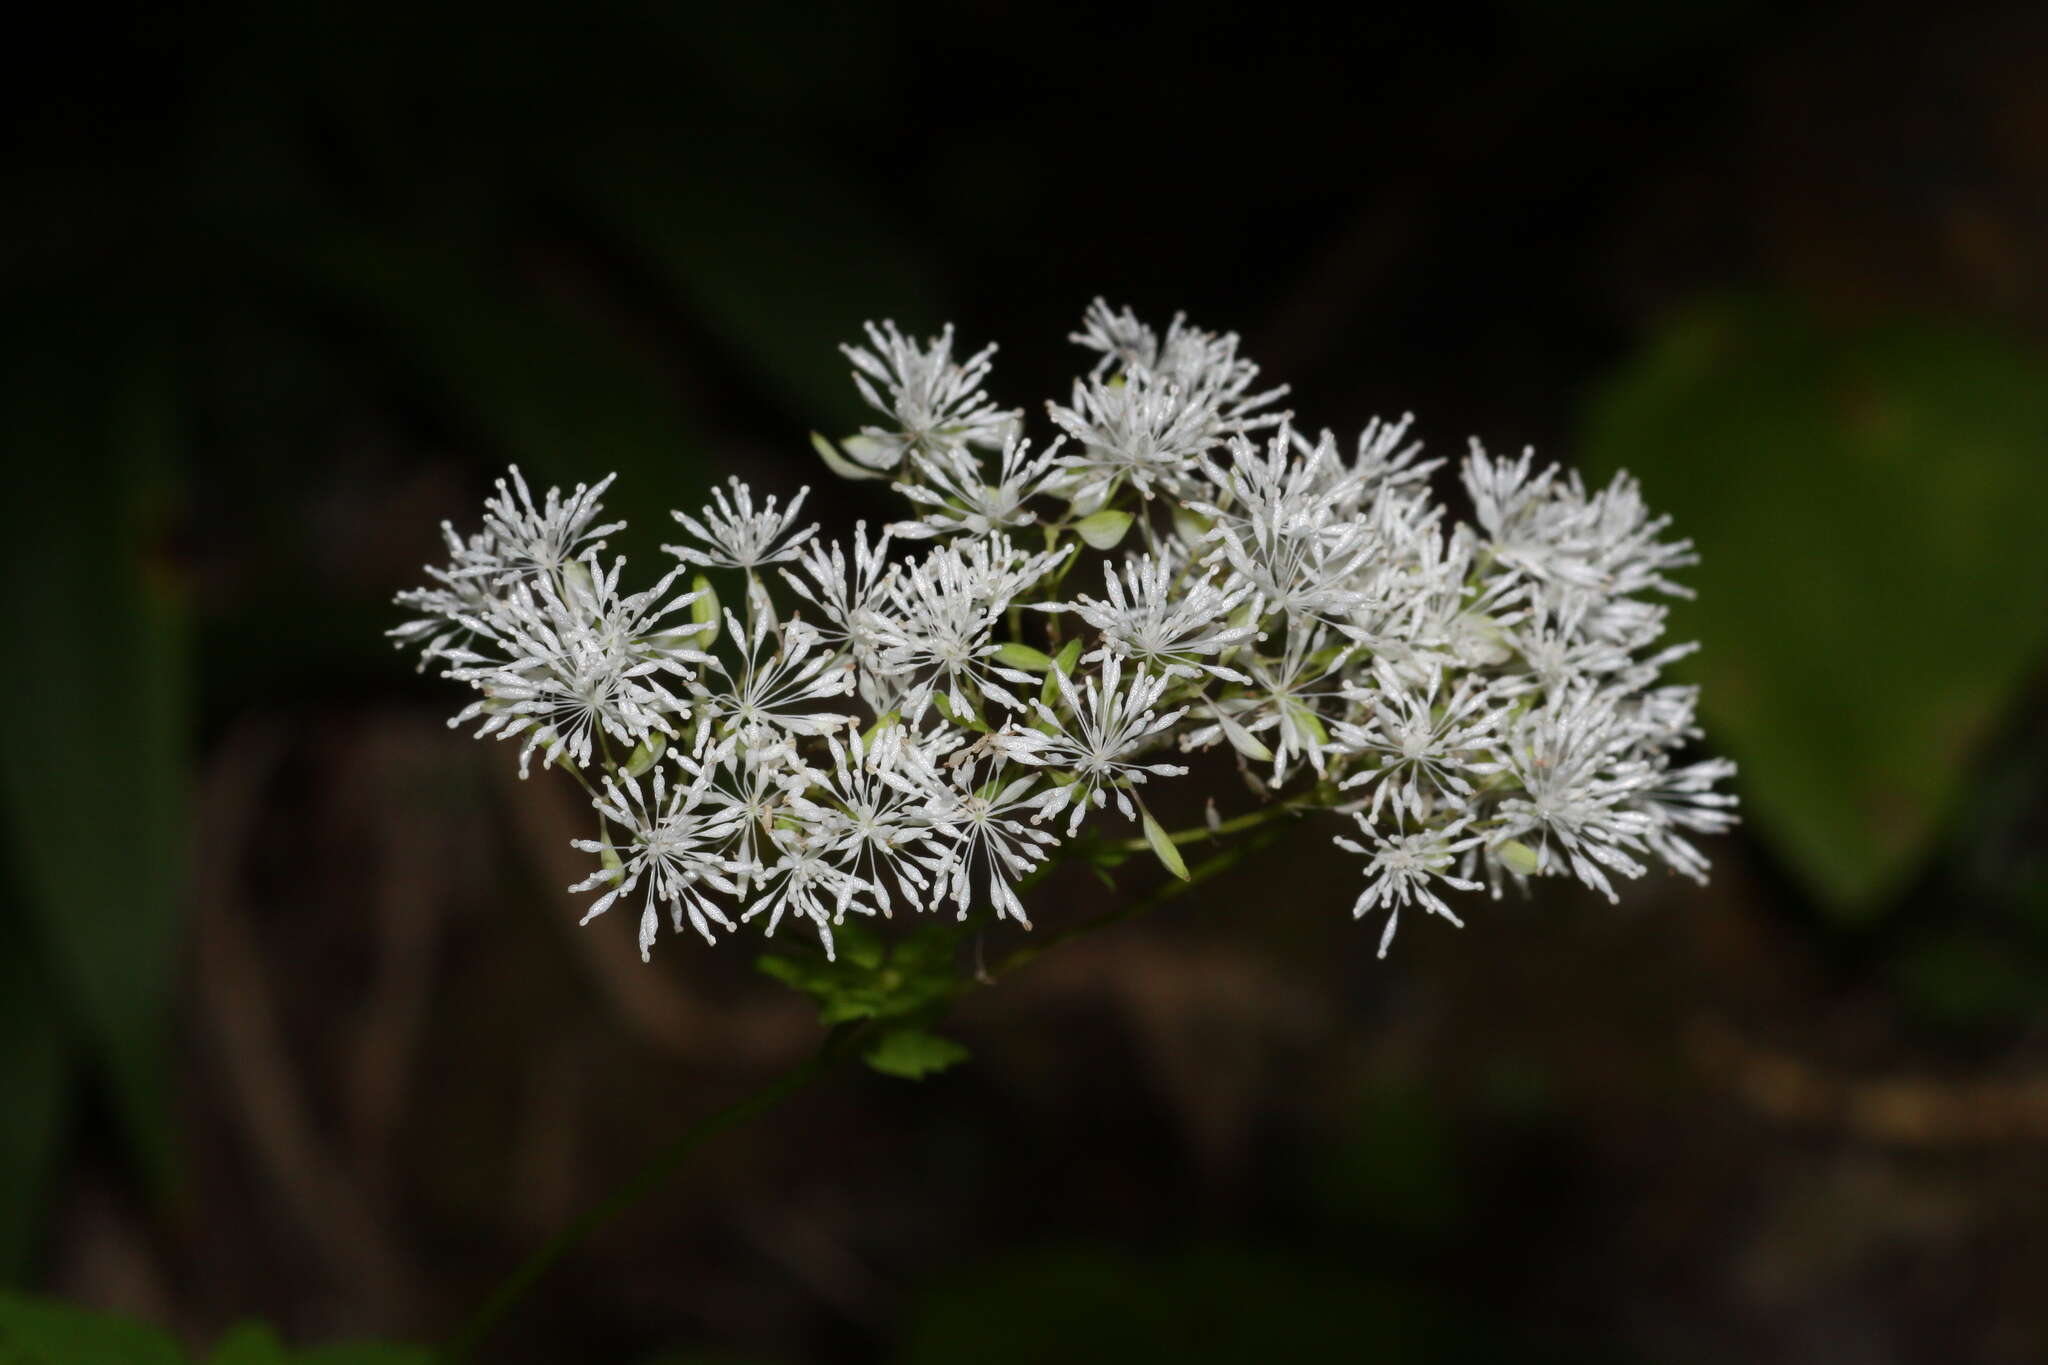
[934, 710]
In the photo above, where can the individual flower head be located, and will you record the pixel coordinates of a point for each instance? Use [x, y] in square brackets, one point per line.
[1120, 340]
[939, 626]
[871, 809]
[850, 597]
[1538, 524]
[992, 842]
[1385, 456]
[782, 671]
[1280, 526]
[1579, 778]
[1152, 409]
[804, 876]
[454, 604]
[1680, 801]
[564, 679]
[1094, 739]
[537, 538]
[1280, 716]
[1557, 655]
[737, 536]
[1178, 619]
[1625, 548]
[1427, 744]
[1188, 356]
[1448, 617]
[670, 836]
[954, 497]
[936, 406]
[759, 781]
[1402, 869]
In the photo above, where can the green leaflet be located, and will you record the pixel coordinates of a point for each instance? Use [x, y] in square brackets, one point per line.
[94, 788]
[1867, 506]
[913, 1053]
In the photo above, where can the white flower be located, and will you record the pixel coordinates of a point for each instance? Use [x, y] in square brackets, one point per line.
[1189, 356]
[1579, 779]
[941, 617]
[1282, 527]
[1402, 868]
[740, 537]
[1176, 619]
[1483, 698]
[872, 812]
[525, 538]
[991, 834]
[458, 600]
[937, 406]
[1166, 405]
[958, 501]
[781, 669]
[568, 676]
[1101, 724]
[674, 842]
[1383, 460]
[1429, 746]
[759, 781]
[807, 878]
[850, 598]
[1684, 799]
[1285, 700]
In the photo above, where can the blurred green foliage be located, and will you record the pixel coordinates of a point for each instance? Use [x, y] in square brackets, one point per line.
[1868, 503]
[1086, 1305]
[94, 779]
[905, 984]
[39, 1332]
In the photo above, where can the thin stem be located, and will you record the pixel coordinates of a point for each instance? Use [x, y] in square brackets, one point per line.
[839, 1045]
[1236, 824]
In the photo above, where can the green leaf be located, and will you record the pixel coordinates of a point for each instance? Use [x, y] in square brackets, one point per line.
[35, 1058]
[250, 1343]
[1518, 858]
[646, 754]
[1013, 655]
[705, 611]
[1102, 530]
[1868, 506]
[256, 1343]
[1241, 739]
[364, 1353]
[839, 464]
[913, 1054]
[873, 979]
[94, 785]
[1191, 525]
[1162, 846]
[40, 1332]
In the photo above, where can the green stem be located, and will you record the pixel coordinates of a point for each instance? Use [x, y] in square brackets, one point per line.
[1236, 824]
[839, 1045]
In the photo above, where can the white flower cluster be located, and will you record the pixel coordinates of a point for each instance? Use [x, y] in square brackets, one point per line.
[936, 709]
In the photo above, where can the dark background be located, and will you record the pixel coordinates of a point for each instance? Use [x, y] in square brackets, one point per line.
[295, 1020]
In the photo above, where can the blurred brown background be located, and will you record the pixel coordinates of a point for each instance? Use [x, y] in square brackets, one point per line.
[295, 1019]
